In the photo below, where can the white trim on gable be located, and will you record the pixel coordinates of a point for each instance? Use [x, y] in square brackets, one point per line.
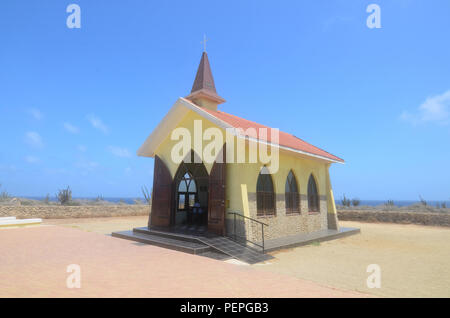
[177, 113]
[164, 128]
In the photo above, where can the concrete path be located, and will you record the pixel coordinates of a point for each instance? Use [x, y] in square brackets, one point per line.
[34, 260]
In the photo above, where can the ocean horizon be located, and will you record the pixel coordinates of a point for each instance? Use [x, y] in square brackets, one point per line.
[399, 203]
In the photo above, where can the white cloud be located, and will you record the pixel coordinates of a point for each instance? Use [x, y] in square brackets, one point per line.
[97, 123]
[31, 159]
[34, 139]
[71, 128]
[434, 109]
[119, 152]
[35, 113]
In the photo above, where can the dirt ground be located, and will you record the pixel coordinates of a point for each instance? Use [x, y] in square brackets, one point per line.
[414, 260]
[38, 261]
[101, 225]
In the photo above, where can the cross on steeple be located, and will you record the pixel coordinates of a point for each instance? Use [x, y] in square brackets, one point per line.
[204, 42]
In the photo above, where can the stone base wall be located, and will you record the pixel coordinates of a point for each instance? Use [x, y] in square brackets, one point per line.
[333, 223]
[62, 212]
[283, 224]
[436, 219]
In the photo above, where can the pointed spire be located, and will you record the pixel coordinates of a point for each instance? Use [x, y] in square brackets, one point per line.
[204, 90]
[204, 78]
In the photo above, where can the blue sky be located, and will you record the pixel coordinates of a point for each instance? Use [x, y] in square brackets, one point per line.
[76, 104]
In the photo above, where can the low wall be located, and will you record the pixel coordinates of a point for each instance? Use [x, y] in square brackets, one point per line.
[63, 212]
[436, 219]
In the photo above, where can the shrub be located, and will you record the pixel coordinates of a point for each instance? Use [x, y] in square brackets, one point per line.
[99, 198]
[147, 195]
[356, 202]
[444, 205]
[47, 199]
[4, 195]
[345, 201]
[422, 201]
[389, 203]
[64, 196]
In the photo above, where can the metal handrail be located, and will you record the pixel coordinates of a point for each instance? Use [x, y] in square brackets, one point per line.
[246, 239]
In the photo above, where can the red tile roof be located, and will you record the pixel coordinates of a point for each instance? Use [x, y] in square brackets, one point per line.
[285, 139]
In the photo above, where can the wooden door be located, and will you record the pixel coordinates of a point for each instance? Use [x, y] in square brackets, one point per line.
[216, 201]
[161, 195]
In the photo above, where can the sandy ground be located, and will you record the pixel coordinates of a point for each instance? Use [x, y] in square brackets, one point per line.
[414, 260]
[34, 262]
[101, 225]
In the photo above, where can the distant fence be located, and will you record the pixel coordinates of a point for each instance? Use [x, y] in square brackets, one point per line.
[83, 211]
[435, 219]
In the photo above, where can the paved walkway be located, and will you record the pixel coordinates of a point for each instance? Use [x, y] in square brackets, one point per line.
[33, 263]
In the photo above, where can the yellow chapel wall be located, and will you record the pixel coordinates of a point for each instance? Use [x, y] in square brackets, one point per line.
[164, 151]
[239, 174]
[281, 224]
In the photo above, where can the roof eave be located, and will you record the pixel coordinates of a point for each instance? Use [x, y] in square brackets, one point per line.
[188, 105]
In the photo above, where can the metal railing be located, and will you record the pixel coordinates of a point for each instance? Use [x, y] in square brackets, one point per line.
[245, 236]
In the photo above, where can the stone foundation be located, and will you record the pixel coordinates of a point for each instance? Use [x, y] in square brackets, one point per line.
[83, 211]
[436, 219]
[283, 224]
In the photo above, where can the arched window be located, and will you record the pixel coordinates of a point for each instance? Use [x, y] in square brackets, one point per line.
[313, 195]
[291, 194]
[187, 192]
[265, 196]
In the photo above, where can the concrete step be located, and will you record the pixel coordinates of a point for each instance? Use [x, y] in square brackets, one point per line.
[6, 218]
[238, 251]
[167, 234]
[195, 243]
[166, 242]
[16, 222]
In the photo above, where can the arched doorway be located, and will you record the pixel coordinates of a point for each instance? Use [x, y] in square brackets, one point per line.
[191, 196]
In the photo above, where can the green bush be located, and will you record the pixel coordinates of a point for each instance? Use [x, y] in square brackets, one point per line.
[64, 196]
[345, 201]
[356, 202]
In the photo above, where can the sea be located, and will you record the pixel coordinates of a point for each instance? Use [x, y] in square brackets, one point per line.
[113, 199]
[398, 203]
